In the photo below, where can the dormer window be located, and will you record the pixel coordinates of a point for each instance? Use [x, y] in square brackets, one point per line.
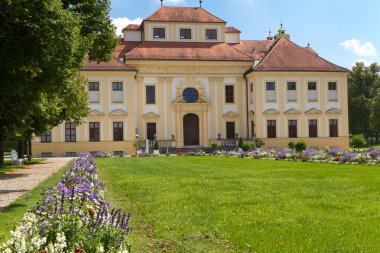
[211, 34]
[159, 33]
[185, 34]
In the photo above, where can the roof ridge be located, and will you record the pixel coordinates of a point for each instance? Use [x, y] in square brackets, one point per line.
[250, 56]
[212, 15]
[268, 53]
[316, 55]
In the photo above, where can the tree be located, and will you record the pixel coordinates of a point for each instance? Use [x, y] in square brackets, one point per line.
[300, 146]
[362, 83]
[358, 141]
[375, 114]
[42, 48]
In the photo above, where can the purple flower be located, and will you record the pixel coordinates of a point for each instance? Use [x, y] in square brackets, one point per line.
[335, 151]
[374, 153]
[348, 157]
[282, 154]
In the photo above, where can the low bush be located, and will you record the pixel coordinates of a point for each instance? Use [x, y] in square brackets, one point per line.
[300, 146]
[291, 145]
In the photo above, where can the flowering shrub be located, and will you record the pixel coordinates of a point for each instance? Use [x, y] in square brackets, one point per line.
[348, 157]
[72, 217]
[374, 153]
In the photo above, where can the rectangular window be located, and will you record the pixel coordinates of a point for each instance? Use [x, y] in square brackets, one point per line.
[159, 33]
[292, 127]
[185, 34]
[94, 131]
[333, 128]
[151, 131]
[271, 129]
[292, 91]
[312, 91]
[333, 91]
[229, 90]
[70, 132]
[46, 137]
[93, 88]
[211, 34]
[150, 94]
[71, 154]
[230, 129]
[313, 128]
[251, 87]
[118, 131]
[117, 92]
[271, 91]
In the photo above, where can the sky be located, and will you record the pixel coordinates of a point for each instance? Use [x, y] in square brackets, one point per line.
[341, 31]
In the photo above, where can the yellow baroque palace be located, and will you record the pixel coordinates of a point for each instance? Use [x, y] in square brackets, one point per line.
[184, 77]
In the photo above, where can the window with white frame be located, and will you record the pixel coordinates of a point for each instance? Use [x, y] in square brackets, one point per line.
[292, 91]
[93, 88]
[271, 91]
[312, 91]
[333, 91]
[117, 92]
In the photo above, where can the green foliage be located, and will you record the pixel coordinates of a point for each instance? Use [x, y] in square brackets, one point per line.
[214, 146]
[375, 114]
[240, 144]
[139, 144]
[300, 146]
[291, 145]
[362, 85]
[248, 146]
[358, 141]
[156, 145]
[259, 143]
[43, 47]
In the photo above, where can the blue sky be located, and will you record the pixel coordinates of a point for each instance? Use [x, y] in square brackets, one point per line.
[340, 31]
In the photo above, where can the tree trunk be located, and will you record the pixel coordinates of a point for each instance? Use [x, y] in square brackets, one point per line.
[1, 146]
[30, 150]
[20, 149]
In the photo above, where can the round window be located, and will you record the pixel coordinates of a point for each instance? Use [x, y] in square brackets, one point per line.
[190, 95]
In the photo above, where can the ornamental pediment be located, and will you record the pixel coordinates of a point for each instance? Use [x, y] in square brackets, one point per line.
[231, 114]
[293, 111]
[118, 113]
[334, 111]
[271, 112]
[151, 115]
[313, 111]
[95, 113]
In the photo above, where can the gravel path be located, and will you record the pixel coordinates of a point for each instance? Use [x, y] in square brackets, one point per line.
[15, 184]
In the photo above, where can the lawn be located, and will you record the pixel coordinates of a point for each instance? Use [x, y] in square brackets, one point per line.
[199, 204]
[9, 167]
[14, 213]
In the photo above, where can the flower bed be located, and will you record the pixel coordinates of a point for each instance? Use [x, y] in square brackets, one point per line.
[328, 155]
[72, 217]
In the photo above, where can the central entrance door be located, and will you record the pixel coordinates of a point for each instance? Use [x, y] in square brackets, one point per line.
[191, 130]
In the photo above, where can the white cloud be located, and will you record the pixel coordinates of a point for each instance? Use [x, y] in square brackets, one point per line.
[169, 2]
[120, 23]
[359, 48]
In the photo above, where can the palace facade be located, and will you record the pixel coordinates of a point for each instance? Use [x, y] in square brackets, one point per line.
[186, 78]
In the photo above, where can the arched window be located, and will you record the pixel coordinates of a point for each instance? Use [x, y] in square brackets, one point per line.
[190, 95]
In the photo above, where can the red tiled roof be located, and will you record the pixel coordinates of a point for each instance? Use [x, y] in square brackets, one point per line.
[288, 56]
[112, 65]
[254, 48]
[183, 14]
[124, 47]
[231, 29]
[132, 27]
[186, 51]
[310, 50]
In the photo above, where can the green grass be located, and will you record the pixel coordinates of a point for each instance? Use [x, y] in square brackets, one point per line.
[198, 204]
[13, 214]
[377, 147]
[9, 167]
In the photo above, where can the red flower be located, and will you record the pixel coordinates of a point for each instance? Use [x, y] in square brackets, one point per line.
[68, 186]
[91, 211]
[43, 251]
[78, 249]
